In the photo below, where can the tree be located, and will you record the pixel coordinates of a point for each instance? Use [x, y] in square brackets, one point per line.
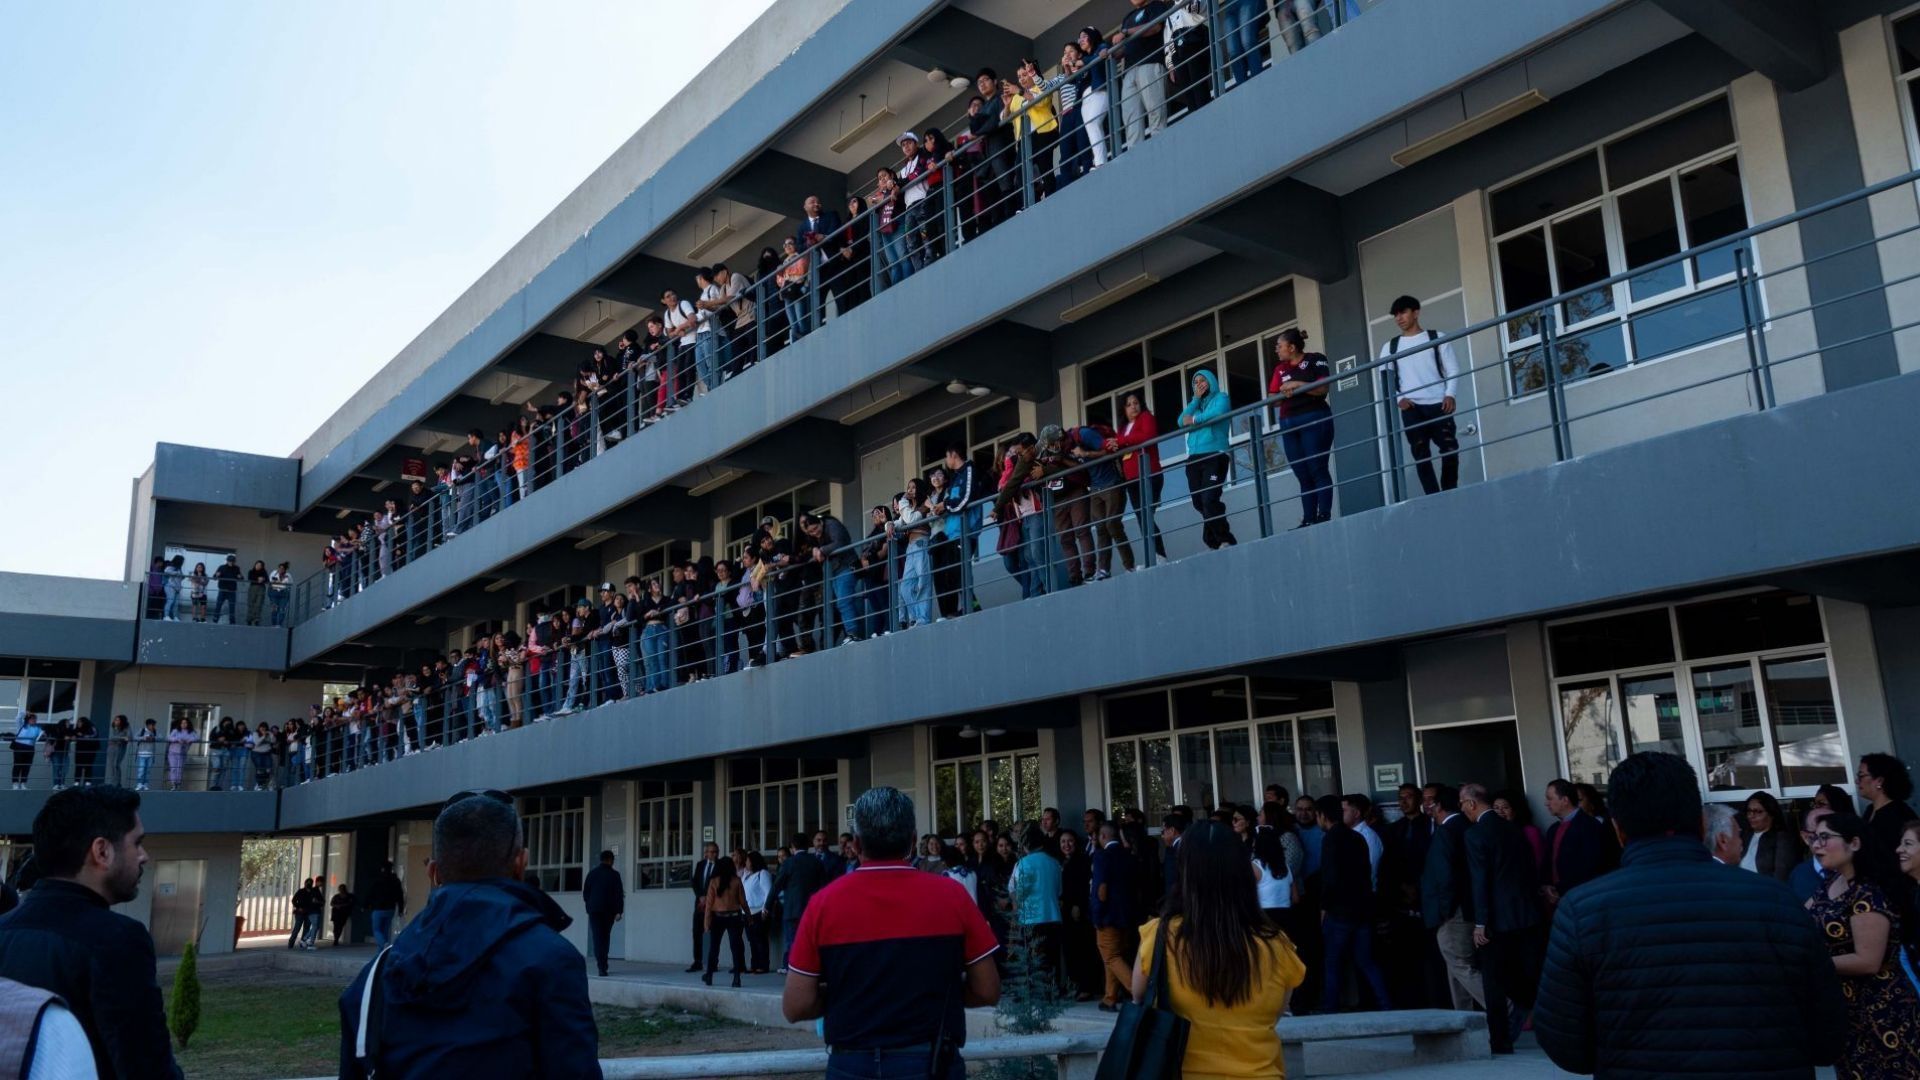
[183, 1016]
[1030, 999]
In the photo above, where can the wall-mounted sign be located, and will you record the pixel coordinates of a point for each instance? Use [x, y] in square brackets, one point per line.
[1388, 777]
[1344, 365]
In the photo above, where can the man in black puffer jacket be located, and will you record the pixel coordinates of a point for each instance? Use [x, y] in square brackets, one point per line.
[1677, 966]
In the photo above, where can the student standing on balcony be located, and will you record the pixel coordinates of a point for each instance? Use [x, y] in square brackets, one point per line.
[816, 225]
[256, 591]
[847, 271]
[1094, 95]
[791, 281]
[1073, 133]
[171, 579]
[1207, 462]
[889, 228]
[1425, 377]
[197, 591]
[996, 174]
[384, 524]
[910, 530]
[915, 165]
[1143, 88]
[1137, 437]
[227, 583]
[278, 584]
[1302, 379]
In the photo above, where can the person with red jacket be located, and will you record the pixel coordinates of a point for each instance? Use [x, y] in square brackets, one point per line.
[1140, 430]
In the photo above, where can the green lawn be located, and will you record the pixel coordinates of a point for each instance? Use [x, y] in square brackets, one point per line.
[262, 1025]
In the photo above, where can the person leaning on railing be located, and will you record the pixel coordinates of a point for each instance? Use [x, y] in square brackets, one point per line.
[1301, 380]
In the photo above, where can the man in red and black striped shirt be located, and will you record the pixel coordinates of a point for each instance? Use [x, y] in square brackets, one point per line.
[891, 955]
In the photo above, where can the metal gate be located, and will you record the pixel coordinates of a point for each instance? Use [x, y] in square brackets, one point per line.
[270, 875]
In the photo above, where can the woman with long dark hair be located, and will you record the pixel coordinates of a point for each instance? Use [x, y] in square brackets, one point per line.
[1772, 843]
[726, 914]
[1229, 968]
[1302, 379]
[1861, 929]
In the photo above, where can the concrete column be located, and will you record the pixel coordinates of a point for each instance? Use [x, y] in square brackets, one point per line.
[1864, 720]
[1533, 711]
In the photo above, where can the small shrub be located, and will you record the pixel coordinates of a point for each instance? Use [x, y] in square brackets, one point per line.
[183, 1017]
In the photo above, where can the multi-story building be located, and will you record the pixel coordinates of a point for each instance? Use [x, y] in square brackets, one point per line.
[1670, 241]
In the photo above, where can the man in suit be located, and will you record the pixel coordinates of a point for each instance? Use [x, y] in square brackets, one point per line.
[1506, 911]
[1575, 844]
[829, 859]
[604, 896]
[816, 224]
[1170, 829]
[799, 877]
[1347, 906]
[1413, 971]
[1446, 898]
[702, 873]
[1115, 915]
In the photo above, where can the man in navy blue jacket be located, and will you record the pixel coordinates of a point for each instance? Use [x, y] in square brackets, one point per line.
[481, 983]
[1674, 965]
[1116, 915]
[1575, 844]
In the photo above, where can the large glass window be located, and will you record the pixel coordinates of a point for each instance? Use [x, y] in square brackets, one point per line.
[1209, 743]
[1234, 342]
[1906, 55]
[663, 834]
[984, 775]
[785, 509]
[1623, 205]
[556, 832]
[771, 800]
[1758, 710]
[984, 434]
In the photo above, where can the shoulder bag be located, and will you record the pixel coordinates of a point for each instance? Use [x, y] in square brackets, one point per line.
[1149, 1040]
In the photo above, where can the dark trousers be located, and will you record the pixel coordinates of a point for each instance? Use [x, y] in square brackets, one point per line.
[1429, 429]
[905, 1064]
[757, 942]
[1308, 438]
[1206, 475]
[730, 924]
[789, 928]
[600, 932]
[1302, 925]
[699, 934]
[1156, 481]
[1350, 941]
[1509, 971]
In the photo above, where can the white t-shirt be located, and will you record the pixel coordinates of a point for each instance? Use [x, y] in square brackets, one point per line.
[678, 315]
[1423, 379]
[712, 294]
[1274, 892]
[60, 1049]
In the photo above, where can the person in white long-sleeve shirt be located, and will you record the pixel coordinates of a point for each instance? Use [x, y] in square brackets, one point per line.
[1426, 376]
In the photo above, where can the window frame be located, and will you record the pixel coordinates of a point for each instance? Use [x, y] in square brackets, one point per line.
[544, 829]
[1624, 308]
[985, 759]
[1681, 670]
[1251, 725]
[733, 826]
[733, 549]
[1903, 82]
[673, 868]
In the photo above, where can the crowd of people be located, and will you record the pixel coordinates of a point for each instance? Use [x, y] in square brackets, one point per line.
[1022, 138]
[228, 757]
[176, 594]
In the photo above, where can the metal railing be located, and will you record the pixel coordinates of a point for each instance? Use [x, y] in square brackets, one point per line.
[827, 588]
[1025, 148]
[187, 595]
[157, 764]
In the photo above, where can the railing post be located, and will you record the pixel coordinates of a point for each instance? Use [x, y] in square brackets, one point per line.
[816, 315]
[1051, 553]
[761, 317]
[1026, 162]
[1262, 497]
[1116, 123]
[1395, 485]
[1145, 480]
[1550, 356]
[1216, 33]
[1757, 363]
[949, 213]
[966, 564]
[893, 583]
[875, 256]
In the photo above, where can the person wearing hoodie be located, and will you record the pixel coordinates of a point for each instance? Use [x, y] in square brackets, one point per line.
[1207, 460]
[481, 983]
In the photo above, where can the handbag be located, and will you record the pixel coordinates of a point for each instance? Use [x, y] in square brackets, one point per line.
[1149, 1041]
[1009, 537]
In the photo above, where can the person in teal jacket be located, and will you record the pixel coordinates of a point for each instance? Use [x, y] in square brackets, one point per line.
[1208, 464]
[1035, 887]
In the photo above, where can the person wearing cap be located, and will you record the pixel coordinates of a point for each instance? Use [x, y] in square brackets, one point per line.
[914, 168]
[605, 627]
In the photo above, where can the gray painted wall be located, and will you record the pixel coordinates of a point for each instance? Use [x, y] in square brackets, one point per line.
[197, 474]
[1550, 540]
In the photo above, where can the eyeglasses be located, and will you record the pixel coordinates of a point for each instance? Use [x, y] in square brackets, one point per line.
[484, 793]
[1819, 838]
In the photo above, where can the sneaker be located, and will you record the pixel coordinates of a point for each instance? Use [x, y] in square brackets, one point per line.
[1101, 575]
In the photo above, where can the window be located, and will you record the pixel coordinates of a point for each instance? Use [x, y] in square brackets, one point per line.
[663, 834]
[770, 800]
[1234, 342]
[1218, 741]
[984, 775]
[1739, 685]
[556, 831]
[1906, 58]
[784, 508]
[986, 434]
[50, 689]
[657, 562]
[1644, 196]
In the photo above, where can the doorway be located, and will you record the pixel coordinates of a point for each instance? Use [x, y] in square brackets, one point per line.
[179, 893]
[1487, 752]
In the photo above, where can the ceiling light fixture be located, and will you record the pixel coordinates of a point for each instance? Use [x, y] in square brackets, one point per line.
[968, 731]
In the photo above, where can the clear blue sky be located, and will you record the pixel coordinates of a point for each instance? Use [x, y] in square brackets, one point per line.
[219, 218]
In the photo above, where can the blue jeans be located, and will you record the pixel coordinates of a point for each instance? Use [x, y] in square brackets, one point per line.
[893, 250]
[1350, 940]
[706, 358]
[892, 1065]
[846, 597]
[1242, 39]
[277, 604]
[420, 722]
[216, 769]
[797, 317]
[916, 585]
[656, 647]
[504, 480]
[1307, 439]
[223, 601]
[382, 928]
[726, 653]
[142, 771]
